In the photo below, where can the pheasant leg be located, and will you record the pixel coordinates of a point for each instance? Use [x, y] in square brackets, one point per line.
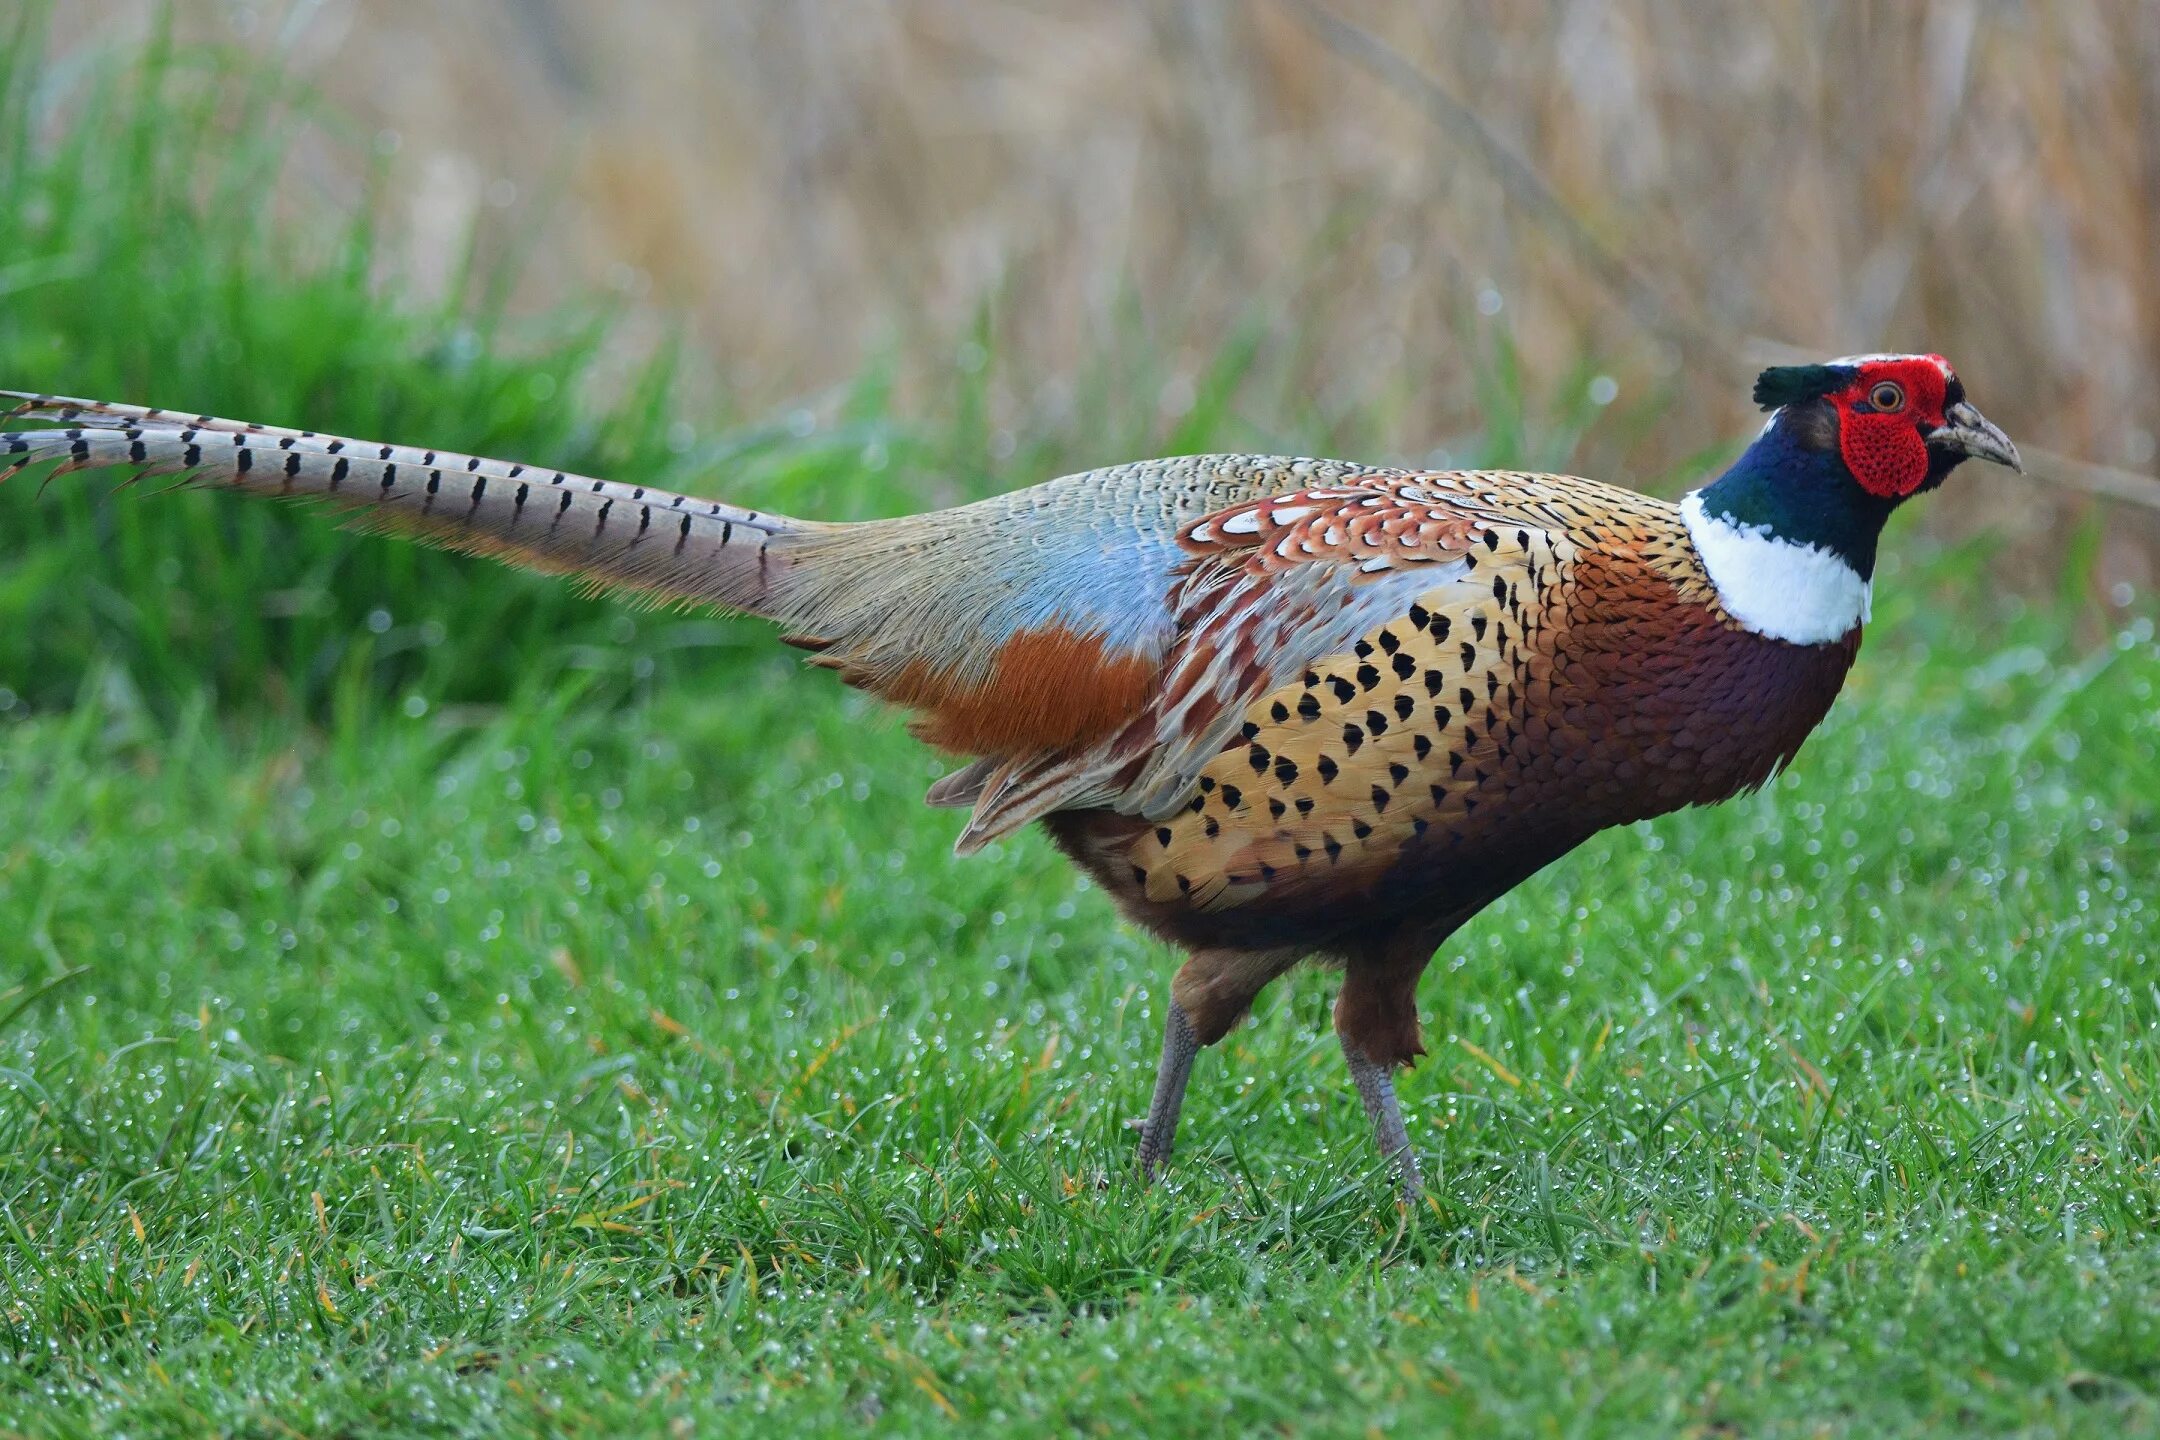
[1376, 1087]
[1159, 1131]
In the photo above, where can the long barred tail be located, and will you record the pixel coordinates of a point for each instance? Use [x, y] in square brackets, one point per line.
[610, 535]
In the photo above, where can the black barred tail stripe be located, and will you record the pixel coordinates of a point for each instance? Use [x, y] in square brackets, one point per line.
[709, 562]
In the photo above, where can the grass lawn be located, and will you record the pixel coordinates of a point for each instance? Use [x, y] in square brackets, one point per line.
[561, 1065]
[434, 1003]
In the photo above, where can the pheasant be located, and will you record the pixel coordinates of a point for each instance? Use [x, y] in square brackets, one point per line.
[1280, 709]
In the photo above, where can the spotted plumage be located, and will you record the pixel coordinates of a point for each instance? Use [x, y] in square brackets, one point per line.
[1282, 709]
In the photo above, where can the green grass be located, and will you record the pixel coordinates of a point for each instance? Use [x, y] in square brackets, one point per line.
[526, 1013]
[609, 1069]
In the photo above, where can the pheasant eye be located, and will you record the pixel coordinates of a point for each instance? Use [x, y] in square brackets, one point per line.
[1886, 396]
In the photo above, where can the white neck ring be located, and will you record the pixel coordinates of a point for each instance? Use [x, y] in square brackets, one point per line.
[1803, 594]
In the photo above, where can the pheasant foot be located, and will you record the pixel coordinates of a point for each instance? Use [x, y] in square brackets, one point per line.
[1159, 1131]
[1376, 1087]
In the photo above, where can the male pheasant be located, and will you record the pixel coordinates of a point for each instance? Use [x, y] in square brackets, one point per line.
[1280, 709]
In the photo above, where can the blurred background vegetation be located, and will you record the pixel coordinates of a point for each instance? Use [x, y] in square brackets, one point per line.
[852, 258]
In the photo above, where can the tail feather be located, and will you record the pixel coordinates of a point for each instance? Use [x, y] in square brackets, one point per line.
[613, 536]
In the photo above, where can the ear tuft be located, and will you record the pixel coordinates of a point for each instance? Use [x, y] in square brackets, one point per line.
[1783, 385]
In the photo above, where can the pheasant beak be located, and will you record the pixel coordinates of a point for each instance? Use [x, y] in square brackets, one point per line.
[1965, 431]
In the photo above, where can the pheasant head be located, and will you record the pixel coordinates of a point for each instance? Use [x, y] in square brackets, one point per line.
[1901, 422]
[1788, 534]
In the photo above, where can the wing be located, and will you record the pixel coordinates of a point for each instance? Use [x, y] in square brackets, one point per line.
[1298, 616]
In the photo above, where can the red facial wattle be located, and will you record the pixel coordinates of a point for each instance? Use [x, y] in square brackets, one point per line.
[1883, 444]
[1884, 453]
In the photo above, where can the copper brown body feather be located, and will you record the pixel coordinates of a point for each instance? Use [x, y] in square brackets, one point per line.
[1571, 671]
[1046, 690]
